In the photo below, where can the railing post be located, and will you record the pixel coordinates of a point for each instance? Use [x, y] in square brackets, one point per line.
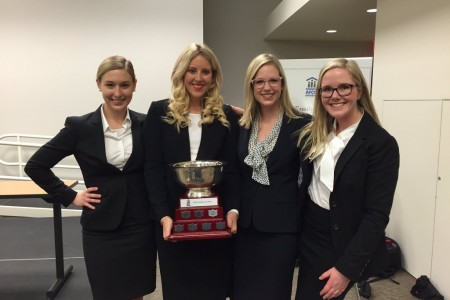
[19, 153]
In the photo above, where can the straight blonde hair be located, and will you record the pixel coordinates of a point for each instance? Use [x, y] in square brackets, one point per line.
[313, 137]
[252, 107]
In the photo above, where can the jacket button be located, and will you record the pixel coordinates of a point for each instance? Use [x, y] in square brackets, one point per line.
[333, 204]
[335, 227]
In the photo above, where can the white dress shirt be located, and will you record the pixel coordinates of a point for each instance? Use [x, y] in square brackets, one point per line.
[320, 187]
[118, 142]
[195, 134]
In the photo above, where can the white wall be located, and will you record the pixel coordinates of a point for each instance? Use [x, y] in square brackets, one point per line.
[412, 55]
[50, 51]
[235, 31]
[410, 82]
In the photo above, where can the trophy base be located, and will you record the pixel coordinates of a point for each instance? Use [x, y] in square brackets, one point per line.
[193, 228]
[199, 219]
[187, 236]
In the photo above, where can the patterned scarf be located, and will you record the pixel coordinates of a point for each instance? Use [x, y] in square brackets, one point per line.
[258, 152]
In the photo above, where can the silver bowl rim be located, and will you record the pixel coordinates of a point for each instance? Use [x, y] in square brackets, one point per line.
[202, 164]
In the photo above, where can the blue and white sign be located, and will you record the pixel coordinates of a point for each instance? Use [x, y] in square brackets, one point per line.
[311, 84]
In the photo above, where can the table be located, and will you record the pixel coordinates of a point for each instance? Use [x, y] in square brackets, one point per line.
[28, 189]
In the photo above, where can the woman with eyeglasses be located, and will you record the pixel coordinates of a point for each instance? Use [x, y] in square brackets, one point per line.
[351, 164]
[266, 243]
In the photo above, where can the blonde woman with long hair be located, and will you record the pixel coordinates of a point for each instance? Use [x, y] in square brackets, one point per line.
[193, 124]
[266, 243]
[350, 173]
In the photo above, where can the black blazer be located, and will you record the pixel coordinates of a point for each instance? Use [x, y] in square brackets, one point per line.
[164, 145]
[274, 208]
[365, 178]
[121, 190]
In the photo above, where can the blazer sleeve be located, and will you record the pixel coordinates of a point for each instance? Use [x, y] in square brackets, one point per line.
[38, 167]
[382, 174]
[154, 163]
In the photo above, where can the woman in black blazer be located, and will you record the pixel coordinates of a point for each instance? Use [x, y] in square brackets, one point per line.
[349, 179]
[118, 242]
[266, 243]
[193, 124]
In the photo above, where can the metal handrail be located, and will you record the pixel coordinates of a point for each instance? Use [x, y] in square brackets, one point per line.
[20, 163]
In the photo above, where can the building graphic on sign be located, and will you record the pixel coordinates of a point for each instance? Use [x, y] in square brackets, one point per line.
[311, 84]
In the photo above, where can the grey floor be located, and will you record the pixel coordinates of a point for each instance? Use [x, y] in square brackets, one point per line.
[27, 266]
[381, 290]
[388, 290]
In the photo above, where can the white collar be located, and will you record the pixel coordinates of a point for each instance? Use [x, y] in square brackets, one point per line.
[126, 123]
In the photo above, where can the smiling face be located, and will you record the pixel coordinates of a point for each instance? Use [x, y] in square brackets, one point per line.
[117, 87]
[198, 78]
[267, 95]
[343, 108]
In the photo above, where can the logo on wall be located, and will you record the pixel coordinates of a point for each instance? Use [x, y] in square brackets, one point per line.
[311, 84]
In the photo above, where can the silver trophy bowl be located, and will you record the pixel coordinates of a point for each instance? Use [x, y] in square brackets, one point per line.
[198, 177]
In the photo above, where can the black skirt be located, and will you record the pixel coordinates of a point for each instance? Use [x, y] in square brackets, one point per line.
[316, 252]
[263, 264]
[121, 264]
[194, 270]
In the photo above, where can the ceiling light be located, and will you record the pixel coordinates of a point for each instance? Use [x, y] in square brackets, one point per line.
[331, 31]
[372, 10]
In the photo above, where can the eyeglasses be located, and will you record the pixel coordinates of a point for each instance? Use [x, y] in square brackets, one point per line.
[344, 89]
[259, 83]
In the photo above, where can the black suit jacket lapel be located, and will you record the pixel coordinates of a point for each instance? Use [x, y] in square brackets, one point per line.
[136, 133]
[207, 131]
[98, 138]
[182, 143]
[282, 140]
[354, 144]
[244, 136]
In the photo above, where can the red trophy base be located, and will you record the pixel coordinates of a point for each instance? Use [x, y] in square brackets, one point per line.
[199, 222]
[200, 236]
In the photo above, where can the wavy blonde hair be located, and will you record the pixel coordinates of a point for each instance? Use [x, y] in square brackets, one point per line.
[313, 137]
[179, 99]
[252, 107]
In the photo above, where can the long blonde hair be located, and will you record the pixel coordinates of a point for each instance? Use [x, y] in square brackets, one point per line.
[179, 98]
[313, 136]
[252, 107]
